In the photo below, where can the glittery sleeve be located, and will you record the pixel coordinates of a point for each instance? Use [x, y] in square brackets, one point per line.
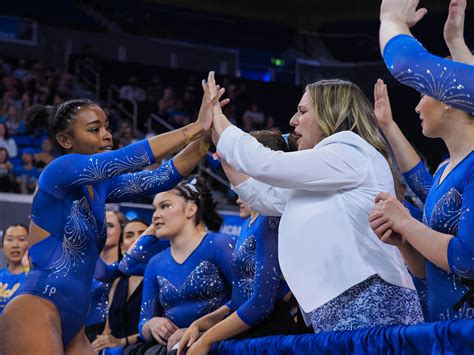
[415, 212]
[151, 306]
[461, 246]
[106, 272]
[443, 79]
[72, 170]
[134, 261]
[267, 274]
[132, 186]
[419, 180]
[223, 247]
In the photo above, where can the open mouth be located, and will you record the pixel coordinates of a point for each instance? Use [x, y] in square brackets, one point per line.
[106, 148]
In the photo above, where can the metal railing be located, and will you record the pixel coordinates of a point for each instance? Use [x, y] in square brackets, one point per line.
[114, 101]
[88, 76]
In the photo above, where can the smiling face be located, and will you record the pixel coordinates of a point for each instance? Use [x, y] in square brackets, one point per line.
[172, 214]
[306, 123]
[15, 244]
[89, 132]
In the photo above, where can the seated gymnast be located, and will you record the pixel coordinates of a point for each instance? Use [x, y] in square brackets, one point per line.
[14, 247]
[68, 228]
[440, 247]
[104, 274]
[259, 303]
[191, 278]
[125, 299]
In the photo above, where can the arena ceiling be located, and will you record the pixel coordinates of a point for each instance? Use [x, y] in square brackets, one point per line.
[301, 14]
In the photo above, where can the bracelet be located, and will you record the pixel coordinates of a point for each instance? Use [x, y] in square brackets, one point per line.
[188, 138]
[126, 341]
[203, 147]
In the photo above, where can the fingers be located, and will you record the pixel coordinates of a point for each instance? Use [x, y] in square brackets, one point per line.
[374, 215]
[382, 196]
[224, 102]
[192, 339]
[157, 337]
[182, 344]
[382, 229]
[420, 13]
[211, 82]
[386, 236]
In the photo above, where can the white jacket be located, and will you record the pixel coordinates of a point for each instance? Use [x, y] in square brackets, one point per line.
[324, 196]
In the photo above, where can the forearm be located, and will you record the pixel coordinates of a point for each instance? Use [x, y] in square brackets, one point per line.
[167, 143]
[211, 319]
[405, 155]
[431, 244]
[460, 51]
[391, 26]
[413, 259]
[227, 328]
[234, 177]
[189, 157]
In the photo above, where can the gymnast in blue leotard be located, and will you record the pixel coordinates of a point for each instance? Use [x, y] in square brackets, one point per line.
[67, 231]
[442, 247]
[192, 277]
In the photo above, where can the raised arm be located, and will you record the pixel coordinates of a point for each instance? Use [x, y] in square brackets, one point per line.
[454, 33]
[396, 17]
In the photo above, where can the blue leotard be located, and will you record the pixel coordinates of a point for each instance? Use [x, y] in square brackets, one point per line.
[104, 275]
[445, 80]
[448, 209]
[9, 284]
[185, 292]
[257, 281]
[134, 261]
[70, 205]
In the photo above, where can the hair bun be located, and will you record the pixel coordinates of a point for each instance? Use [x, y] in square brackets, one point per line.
[39, 116]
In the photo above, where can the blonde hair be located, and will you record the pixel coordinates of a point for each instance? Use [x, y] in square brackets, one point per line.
[342, 106]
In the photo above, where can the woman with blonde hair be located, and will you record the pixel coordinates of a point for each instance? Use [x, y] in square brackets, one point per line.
[339, 272]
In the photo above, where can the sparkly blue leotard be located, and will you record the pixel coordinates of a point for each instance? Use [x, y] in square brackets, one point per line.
[70, 205]
[187, 291]
[134, 261]
[443, 79]
[257, 281]
[448, 210]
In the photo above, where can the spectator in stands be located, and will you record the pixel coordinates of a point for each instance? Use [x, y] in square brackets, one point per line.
[132, 91]
[155, 90]
[27, 173]
[7, 178]
[193, 277]
[14, 246]
[121, 327]
[45, 156]
[13, 120]
[21, 71]
[124, 135]
[167, 102]
[190, 100]
[253, 118]
[6, 142]
[5, 68]
[179, 116]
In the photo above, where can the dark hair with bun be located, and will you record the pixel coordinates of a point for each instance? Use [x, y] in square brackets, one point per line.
[271, 138]
[55, 119]
[196, 189]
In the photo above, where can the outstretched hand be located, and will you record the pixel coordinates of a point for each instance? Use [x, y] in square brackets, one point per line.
[209, 100]
[454, 25]
[402, 10]
[382, 108]
[220, 121]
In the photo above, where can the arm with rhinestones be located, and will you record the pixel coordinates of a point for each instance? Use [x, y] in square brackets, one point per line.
[106, 272]
[461, 248]
[136, 258]
[151, 306]
[419, 180]
[133, 186]
[442, 79]
[268, 275]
